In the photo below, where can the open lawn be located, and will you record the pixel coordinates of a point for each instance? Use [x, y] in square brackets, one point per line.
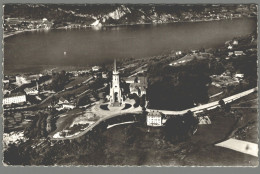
[66, 119]
[77, 80]
[247, 126]
[73, 92]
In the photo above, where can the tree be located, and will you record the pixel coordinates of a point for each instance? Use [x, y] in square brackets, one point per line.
[59, 80]
[137, 101]
[143, 102]
[221, 103]
[38, 126]
[180, 127]
[228, 107]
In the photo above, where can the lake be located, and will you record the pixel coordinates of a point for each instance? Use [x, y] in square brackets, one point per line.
[36, 50]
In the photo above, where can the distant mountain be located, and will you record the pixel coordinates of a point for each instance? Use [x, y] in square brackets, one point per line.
[112, 14]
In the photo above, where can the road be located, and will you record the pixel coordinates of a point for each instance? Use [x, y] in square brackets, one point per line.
[208, 106]
[90, 127]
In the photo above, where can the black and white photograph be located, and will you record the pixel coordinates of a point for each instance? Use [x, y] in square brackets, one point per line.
[130, 84]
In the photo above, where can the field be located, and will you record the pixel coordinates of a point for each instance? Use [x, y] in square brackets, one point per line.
[76, 80]
[65, 120]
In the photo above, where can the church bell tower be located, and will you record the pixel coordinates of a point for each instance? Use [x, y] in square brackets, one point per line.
[116, 98]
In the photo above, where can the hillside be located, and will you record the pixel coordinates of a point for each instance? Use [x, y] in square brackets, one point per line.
[113, 14]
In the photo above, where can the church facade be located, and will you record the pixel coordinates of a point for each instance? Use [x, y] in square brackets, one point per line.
[116, 98]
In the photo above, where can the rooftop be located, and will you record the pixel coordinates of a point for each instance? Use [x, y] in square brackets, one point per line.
[155, 114]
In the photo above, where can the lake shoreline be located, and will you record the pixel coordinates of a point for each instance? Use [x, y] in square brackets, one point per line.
[118, 25]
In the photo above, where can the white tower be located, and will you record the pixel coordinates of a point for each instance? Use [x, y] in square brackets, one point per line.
[116, 98]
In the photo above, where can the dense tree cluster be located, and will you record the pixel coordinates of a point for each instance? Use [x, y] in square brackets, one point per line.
[42, 124]
[59, 80]
[178, 128]
[178, 87]
[83, 100]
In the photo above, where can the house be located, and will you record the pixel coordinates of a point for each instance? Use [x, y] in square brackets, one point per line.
[18, 117]
[194, 51]
[130, 80]
[178, 53]
[98, 75]
[238, 53]
[68, 106]
[142, 80]
[239, 76]
[96, 68]
[19, 98]
[31, 91]
[63, 101]
[230, 53]
[204, 120]
[6, 81]
[44, 20]
[104, 75]
[235, 42]
[21, 80]
[154, 118]
[139, 86]
[230, 47]
[5, 91]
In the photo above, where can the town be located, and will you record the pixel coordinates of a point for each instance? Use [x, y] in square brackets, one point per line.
[167, 109]
[76, 18]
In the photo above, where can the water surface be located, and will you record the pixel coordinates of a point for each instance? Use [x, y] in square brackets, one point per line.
[34, 51]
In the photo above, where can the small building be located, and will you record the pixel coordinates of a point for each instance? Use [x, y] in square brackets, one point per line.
[239, 76]
[154, 118]
[96, 68]
[204, 120]
[14, 99]
[18, 117]
[238, 53]
[178, 53]
[31, 91]
[230, 47]
[104, 75]
[21, 80]
[63, 101]
[227, 58]
[230, 53]
[130, 80]
[6, 92]
[68, 106]
[6, 81]
[235, 42]
[98, 75]
[44, 20]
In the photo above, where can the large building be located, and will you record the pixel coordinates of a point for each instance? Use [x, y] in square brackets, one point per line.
[116, 98]
[14, 99]
[154, 118]
[139, 86]
[22, 79]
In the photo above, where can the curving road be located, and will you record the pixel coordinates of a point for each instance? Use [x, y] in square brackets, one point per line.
[92, 126]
